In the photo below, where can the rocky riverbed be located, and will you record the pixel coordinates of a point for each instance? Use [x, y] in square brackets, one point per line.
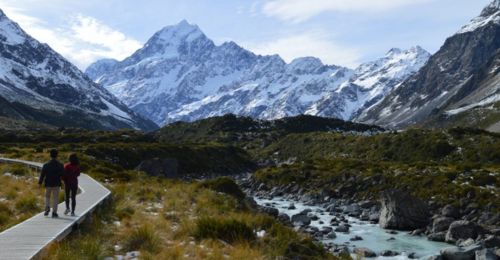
[342, 233]
[398, 226]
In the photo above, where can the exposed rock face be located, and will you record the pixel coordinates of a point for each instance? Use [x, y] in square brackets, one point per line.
[402, 211]
[462, 229]
[461, 77]
[166, 167]
[38, 84]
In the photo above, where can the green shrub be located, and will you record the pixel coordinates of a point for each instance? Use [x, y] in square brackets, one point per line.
[224, 185]
[143, 238]
[27, 204]
[229, 230]
[4, 218]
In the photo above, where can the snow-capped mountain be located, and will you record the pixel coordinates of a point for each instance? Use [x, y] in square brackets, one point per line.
[180, 74]
[370, 83]
[38, 84]
[461, 77]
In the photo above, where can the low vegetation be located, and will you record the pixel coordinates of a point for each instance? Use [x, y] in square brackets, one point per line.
[168, 219]
[20, 196]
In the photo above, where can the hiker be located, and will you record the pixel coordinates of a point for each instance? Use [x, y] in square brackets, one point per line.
[52, 172]
[70, 178]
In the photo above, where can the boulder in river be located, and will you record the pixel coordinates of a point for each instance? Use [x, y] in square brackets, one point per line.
[301, 219]
[462, 230]
[402, 211]
[284, 218]
[460, 253]
[438, 236]
[389, 253]
[364, 252]
[342, 228]
[356, 238]
[374, 217]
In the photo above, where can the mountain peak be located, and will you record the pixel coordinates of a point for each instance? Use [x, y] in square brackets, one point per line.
[305, 64]
[10, 32]
[394, 51]
[489, 15]
[181, 30]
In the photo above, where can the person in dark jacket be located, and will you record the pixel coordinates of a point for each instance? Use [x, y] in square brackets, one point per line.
[52, 172]
[70, 178]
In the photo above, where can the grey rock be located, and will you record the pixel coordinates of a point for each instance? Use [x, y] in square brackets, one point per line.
[389, 253]
[284, 218]
[441, 224]
[342, 228]
[331, 235]
[485, 254]
[364, 252]
[460, 253]
[270, 211]
[374, 217]
[301, 219]
[402, 211]
[450, 211]
[439, 236]
[462, 229]
[356, 238]
[491, 241]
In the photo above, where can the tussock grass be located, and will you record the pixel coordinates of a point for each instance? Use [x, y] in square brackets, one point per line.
[143, 238]
[228, 230]
[20, 196]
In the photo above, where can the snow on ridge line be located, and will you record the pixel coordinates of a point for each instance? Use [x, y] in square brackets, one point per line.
[479, 22]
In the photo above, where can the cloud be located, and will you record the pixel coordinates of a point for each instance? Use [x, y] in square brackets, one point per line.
[81, 39]
[312, 43]
[302, 10]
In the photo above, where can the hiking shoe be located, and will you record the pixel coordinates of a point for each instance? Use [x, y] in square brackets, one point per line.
[73, 214]
[66, 212]
[46, 213]
[54, 215]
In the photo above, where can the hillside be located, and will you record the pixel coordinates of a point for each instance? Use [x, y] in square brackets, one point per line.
[39, 85]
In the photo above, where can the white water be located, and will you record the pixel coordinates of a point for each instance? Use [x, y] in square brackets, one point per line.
[374, 237]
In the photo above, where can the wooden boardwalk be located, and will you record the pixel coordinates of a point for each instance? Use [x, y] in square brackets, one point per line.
[28, 239]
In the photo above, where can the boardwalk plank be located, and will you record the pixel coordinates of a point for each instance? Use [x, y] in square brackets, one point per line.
[27, 239]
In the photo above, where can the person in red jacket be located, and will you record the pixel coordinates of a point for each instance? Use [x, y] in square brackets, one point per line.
[70, 178]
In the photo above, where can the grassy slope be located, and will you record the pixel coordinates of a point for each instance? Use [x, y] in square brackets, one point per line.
[164, 219]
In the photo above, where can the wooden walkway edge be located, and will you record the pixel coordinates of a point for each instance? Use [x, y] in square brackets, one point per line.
[28, 239]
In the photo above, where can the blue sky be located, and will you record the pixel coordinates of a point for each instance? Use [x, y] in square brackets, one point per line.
[341, 32]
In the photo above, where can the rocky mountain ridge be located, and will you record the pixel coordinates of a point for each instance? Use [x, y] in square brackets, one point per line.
[38, 84]
[181, 75]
